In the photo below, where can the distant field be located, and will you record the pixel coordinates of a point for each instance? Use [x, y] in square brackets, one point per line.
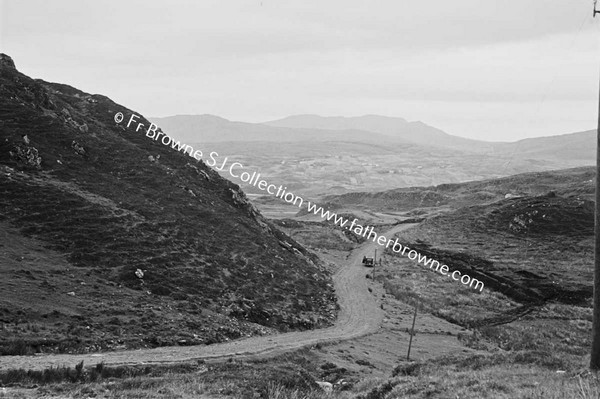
[319, 169]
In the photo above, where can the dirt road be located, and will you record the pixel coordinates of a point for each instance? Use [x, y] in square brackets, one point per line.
[360, 314]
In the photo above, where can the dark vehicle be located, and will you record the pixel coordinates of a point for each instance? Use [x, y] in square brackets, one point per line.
[369, 262]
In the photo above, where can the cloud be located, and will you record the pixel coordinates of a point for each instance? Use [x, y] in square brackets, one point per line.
[257, 60]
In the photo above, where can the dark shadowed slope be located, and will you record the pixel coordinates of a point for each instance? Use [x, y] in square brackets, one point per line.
[111, 203]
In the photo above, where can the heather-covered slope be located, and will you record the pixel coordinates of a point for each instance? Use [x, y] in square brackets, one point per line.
[115, 203]
[566, 182]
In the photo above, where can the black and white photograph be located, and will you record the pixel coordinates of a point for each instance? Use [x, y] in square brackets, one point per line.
[299, 199]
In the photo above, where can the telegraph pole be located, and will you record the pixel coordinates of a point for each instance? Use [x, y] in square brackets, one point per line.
[374, 263]
[595, 355]
[412, 332]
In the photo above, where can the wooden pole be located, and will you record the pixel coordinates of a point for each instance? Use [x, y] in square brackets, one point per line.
[595, 355]
[412, 332]
[373, 272]
[374, 263]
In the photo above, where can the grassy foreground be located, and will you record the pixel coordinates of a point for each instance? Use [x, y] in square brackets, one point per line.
[500, 375]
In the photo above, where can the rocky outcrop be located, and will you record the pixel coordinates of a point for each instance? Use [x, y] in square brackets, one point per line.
[78, 148]
[6, 62]
[26, 156]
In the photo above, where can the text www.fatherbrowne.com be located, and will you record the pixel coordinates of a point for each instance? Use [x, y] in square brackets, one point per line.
[235, 169]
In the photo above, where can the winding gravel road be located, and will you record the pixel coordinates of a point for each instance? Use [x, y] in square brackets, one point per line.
[360, 314]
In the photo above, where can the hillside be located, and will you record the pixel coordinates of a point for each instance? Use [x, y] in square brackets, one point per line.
[528, 237]
[533, 320]
[567, 182]
[571, 147]
[113, 240]
[532, 249]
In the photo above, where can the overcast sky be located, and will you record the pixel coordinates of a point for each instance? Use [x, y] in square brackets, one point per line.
[497, 70]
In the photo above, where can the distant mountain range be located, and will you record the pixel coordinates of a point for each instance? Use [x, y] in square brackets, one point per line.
[395, 128]
[573, 146]
[212, 129]
[372, 129]
[371, 152]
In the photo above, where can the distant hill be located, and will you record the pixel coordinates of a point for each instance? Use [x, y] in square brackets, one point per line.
[397, 128]
[574, 146]
[568, 147]
[110, 239]
[316, 155]
[534, 245]
[577, 182]
[210, 128]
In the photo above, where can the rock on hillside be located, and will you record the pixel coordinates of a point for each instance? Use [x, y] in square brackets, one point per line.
[151, 247]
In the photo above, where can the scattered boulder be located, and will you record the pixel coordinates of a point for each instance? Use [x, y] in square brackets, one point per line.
[205, 175]
[238, 197]
[343, 385]
[325, 386]
[241, 201]
[78, 148]
[198, 171]
[26, 156]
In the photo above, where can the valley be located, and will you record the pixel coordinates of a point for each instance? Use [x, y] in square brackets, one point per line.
[318, 156]
[506, 337]
[131, 270]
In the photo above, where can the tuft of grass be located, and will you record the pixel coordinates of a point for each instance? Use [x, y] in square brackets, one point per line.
[17, 347]
[81, 374]
[558, 388]
[279, 391]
